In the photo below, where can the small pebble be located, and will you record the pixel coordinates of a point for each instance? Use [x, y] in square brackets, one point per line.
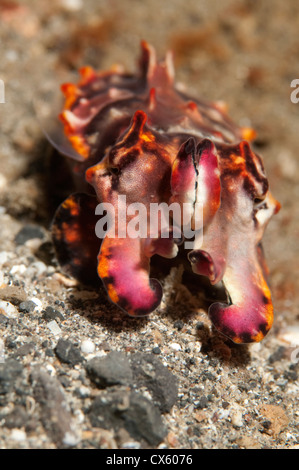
[50, 369]
[18, 269]
[37, 268]
[27, 307]
[54, 327]
[51, 313]
[202, 403]
[8, 309]
[83, 391]
[156, 350]
[87, 346]
[71, 439]
[67, 352]
[179, 324]
[236, 419]
[175, 346]
[37, 302]
[18, 435]
[290, 335]
[113, 369]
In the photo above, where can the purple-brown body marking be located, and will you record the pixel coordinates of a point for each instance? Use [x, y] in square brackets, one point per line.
[141, 137]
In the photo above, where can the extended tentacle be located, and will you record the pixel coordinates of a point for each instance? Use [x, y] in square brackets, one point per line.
[123, 267]
[249, 316]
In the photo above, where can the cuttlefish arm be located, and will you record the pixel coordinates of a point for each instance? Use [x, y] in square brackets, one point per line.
[139, 166]
[232, 253]
[124, 270]
[249, 315]
[124, 266]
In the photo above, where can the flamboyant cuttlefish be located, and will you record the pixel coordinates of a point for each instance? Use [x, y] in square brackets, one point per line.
[142, 138]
